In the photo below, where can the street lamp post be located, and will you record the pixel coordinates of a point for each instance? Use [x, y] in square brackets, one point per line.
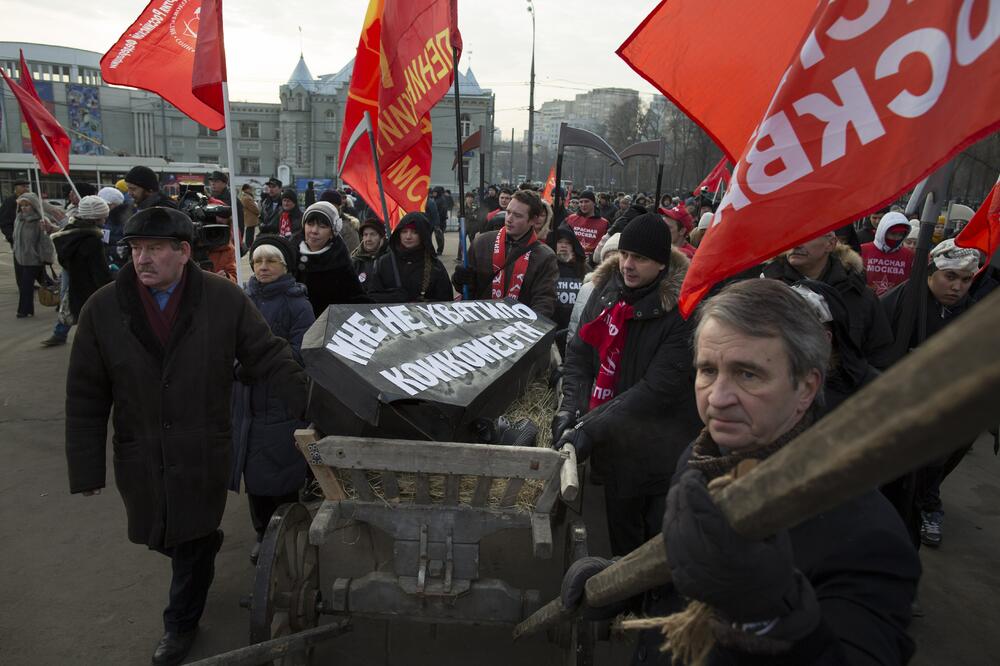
[531, 99]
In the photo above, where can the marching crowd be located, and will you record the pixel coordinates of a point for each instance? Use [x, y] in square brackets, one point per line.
[207, 384]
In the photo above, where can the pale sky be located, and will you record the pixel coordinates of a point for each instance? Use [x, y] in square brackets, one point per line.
[575, 42]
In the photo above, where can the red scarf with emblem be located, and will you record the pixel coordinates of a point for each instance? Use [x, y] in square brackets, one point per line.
[606, 334]
[499, 261]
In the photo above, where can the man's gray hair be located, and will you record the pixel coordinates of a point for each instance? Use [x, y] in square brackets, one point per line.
[764, 308]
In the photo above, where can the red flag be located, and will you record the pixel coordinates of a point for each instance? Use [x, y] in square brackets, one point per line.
[983, 230]
[403, 67]
[719, 174]
[26, 81]
[41, 124]
[550, 185]
[869, 103]
[156, 53]
[728, 54]
[209, 71]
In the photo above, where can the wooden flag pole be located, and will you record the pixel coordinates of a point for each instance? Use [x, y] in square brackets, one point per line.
[463, 249]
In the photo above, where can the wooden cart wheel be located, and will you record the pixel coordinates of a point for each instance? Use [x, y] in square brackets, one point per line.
[286, 592]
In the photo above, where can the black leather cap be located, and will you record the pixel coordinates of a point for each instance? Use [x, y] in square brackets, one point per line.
[159, 222]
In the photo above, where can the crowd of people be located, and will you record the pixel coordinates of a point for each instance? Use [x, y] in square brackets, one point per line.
[657, 404]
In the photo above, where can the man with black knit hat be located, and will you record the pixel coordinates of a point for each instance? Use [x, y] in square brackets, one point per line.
[588, 224]
[627, 391]
[158, 346]
[144, 188]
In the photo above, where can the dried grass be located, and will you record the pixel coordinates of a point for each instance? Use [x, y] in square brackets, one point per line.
[537, 404]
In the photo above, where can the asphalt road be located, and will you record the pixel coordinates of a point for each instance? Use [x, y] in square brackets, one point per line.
[73, 590]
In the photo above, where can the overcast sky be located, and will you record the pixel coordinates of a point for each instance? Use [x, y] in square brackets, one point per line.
[575, 42]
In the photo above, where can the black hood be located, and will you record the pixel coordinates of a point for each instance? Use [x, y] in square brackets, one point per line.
[565, 232]
[423, 230]
[76, 237]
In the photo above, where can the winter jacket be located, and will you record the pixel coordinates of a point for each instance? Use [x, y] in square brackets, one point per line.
[264, 452]
[172, 420]
[115, 225]
[349, 231]
[270, 211]
[870, 329]
[327, 275]
[864, 572]
[251, 211]
[411, 267]
[538, 291]
[156, 198]
[80, 247]
[272, 225]
[32, 245]
[937, 316]
[639, 434]
[589, 230]
[364, 263]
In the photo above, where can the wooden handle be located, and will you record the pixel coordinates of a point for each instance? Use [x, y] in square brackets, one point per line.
[941, 393]
[569, 480]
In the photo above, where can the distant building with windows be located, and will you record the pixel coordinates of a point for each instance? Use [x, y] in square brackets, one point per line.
[113, 128]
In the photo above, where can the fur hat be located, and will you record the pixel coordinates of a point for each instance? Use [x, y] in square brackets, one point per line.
[93, 207]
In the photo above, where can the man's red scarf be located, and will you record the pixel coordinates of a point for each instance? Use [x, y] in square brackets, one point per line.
[500, 259]
[606, 334]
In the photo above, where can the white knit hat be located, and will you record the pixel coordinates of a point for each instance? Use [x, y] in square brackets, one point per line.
[112, 196]
[948, 256]
[706, 219]
[92, 208]
[327, 210]
[610, 245]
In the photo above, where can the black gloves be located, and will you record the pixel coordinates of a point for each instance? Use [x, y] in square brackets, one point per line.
[746, 581]
[575, 580]
[579, 439]
[464, 277]
[561, 421]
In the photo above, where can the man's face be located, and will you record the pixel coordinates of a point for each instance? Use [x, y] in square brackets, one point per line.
[370, 240]
[895, 235]
[157, 262]
[217, 187]
[586, 207]
[874, 218]
[137, 193]
[20, 189]
[812, 254]
[504, 200]
[949, 286]
[676, 230]
[637, 270]
[744, 389]
[564, 250]
[518, 222]
[491, 192]
[273, 190]
[470, 201]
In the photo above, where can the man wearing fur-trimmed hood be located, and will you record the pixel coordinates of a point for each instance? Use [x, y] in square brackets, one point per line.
[628, 392]
[826, 260]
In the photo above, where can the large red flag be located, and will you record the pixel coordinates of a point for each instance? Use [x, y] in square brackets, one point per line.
[550, 185]
[42, 125]
[873, 97]
[156, 54]
[26, 81]
[403, 67]
[209, 70]
[718, 175]
[983, 230]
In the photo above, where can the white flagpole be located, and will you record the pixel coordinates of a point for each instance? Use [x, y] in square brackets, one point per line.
[62, 167]
[234, 220]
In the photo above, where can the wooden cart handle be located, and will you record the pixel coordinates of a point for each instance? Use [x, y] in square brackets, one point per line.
[569, 480]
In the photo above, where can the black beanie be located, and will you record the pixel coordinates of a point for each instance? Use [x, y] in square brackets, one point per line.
[144, 177]
[283, 245]
[649, 236]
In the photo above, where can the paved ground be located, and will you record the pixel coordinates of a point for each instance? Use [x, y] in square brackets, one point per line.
[74, 591]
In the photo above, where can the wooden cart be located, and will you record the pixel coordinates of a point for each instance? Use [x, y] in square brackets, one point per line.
[437, 501]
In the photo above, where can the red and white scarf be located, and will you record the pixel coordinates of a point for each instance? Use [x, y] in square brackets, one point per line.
[606, 334]
[520, 267]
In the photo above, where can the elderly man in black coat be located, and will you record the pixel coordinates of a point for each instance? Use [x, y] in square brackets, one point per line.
[159, 345]
[627, 388]
[833, 590]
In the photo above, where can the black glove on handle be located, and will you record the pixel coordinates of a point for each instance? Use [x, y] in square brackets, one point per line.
[745, 580]
[561, 421]
[574, 582]
[580, 440]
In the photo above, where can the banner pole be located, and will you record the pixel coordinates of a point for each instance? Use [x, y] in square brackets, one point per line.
[61, 168]
[482, 163]
[378, 171]
[234, 220]
[461, 169]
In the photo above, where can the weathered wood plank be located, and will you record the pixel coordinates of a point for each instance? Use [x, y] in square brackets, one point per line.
[361, 486]
[541, 535]
[569, 481]
[451, 488]
[324, 522]
[423, 492]
[550, 493]
[390, 485]
[403, 455]
[306, 439]
[511, 491]
[482, 492]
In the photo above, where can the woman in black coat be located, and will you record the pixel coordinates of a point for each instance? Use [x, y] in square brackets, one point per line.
[264, 452]
[410, 272]
[324, 265]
